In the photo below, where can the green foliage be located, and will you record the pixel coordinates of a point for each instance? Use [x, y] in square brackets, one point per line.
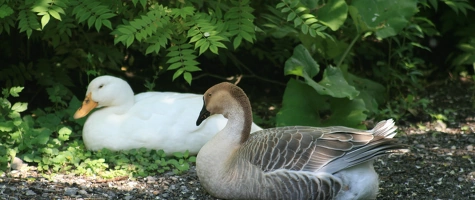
[47, 138]
[239, 21]
[384, 18]
[456, 5]
[148, 27]
[182, 58]
[343, 61]
[92, 12]
[302, 18]
[144, 27]
[339, 97]
[10, 125]
[332, 101]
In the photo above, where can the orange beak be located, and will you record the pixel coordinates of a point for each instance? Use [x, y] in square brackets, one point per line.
[87, 105]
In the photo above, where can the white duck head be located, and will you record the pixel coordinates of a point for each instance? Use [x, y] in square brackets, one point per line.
[106, 91]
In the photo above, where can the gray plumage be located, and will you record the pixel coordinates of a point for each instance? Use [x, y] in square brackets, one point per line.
[296, 162]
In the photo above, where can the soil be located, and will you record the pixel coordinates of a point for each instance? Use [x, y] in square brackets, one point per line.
[439, 165]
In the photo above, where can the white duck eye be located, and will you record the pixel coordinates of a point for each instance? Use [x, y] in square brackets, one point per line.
[100, 86]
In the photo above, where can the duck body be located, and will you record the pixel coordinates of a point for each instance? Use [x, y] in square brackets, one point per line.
[295, 162]
[151, 120]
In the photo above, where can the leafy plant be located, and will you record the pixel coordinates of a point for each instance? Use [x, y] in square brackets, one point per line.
[49, 139]
[338, 97]
[10, 126]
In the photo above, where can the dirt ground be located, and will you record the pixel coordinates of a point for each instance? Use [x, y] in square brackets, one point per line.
[440, 164]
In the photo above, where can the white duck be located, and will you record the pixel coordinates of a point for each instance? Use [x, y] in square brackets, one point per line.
[287, 162]
[152, 120]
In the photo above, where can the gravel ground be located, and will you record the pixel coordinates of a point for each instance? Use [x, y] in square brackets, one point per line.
[440, 165]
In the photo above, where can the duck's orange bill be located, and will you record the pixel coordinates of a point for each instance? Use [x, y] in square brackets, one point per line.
[87, 105]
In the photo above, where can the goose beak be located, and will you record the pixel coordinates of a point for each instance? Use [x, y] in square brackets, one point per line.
[203, 114]
[87, 105]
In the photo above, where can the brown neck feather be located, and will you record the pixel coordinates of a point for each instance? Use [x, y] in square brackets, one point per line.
[238, 94]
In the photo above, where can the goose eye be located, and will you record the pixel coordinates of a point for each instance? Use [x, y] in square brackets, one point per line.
[209, 94]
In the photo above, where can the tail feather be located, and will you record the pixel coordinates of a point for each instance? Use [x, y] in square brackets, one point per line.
[385, 128]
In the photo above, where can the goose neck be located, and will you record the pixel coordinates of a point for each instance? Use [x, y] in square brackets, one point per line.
[240, 119]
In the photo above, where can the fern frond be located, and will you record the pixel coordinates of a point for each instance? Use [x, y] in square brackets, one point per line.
[28, 22]
[205, 35]
[142, 27]
[301, 17]
[159, 39]
[6, 18]
[459, 5]
[94, 12]
[182, 59]
[183, 12]
[60, 33]
[240, 22]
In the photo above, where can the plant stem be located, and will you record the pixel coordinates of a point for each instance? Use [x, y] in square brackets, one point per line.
[348, 50]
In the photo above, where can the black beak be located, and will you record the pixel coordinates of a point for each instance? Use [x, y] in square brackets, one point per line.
[203, 114]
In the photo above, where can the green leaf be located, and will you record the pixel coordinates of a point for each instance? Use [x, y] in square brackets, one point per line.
[98, 24]
[301, 63]
[55, 14]
[191, 68]
[6, 126]
[303, 106]
[237, 41]
[64, 133]
[14, 91]
[39, 9]
[291, 16]
[5, 11]
[177, 73]
[333, 82]
[129, 41]
[187, 76]
[175, 65]
[385, 18]
[44, 20]
[333, 14]
[204, 47]
[19, 107]
[42, 136]
[91, 21]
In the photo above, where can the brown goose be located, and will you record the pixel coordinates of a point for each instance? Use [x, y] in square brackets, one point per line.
[287, 162]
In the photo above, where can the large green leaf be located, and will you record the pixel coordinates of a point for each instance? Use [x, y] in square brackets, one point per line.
[302, 105]
[372, 93]
[301, 63]
[333, 82]
[345, 112]
[385, 18]
[333, 14]
[299, 105]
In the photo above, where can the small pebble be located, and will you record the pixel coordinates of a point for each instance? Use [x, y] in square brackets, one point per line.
[420, 146]
[70, 191]
[470, 148]
[151, 179]
[128, 197]
[453, 147]
[30, 193]
[82, 192]
[17, 164]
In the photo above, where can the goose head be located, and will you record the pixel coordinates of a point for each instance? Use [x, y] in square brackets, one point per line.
[230, 101]
[105, 91]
